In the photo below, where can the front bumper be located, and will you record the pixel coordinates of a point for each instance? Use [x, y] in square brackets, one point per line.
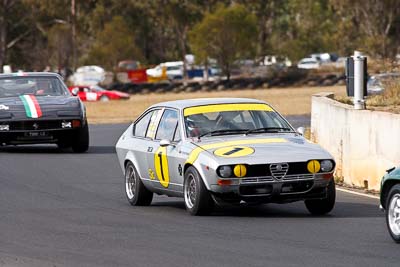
[39, 131]
[267, 189]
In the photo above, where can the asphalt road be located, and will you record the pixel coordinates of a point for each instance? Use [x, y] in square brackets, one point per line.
[64, 209]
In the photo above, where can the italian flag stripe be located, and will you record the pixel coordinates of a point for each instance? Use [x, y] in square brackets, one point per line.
[31, 105]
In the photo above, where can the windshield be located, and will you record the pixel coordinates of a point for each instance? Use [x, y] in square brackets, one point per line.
[233, 119]
[96, 88]
[39, 86]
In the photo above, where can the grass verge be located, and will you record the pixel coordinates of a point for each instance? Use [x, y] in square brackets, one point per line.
[288, 101]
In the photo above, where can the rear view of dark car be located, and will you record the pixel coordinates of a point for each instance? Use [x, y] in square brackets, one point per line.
[37, 108]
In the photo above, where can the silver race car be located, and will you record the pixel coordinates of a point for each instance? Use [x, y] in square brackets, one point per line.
[223, 151]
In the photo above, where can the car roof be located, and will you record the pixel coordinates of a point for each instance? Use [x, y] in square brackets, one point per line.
[185, 103]
[27, 74]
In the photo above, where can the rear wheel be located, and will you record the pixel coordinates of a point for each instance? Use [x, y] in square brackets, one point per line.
[136, 193]
[81, 142]
[62, 144]
[198, 200]
[393, 213]
[325, 205]
[104, 98]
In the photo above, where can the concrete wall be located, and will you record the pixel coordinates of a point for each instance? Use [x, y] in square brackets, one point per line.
[364, 143]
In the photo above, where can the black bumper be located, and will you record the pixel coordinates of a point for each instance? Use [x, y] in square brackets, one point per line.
[38, 132]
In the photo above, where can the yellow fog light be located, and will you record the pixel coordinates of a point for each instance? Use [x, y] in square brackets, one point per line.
[240, 170]
[313, 166]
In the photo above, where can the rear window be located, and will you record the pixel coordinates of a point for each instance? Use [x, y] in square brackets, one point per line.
[26, 85]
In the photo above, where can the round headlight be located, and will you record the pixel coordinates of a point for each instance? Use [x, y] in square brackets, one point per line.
[326, 165]
[240, 170]
[225, 171]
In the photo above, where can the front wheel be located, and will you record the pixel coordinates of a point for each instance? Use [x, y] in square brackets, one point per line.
[393, 213]
[80, 143]
[198, 200]
[136, 192]
[325, 205]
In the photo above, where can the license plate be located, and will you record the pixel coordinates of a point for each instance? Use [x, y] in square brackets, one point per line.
[36, 134]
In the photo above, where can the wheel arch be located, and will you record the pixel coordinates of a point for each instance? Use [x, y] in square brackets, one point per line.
[130, 157]
[385, 190]
[187, 165]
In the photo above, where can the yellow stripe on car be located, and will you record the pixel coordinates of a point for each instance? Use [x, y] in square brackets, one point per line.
[196, 152]
[225, 107]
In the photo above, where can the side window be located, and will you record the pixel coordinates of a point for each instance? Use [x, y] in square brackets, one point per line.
[155, 117]
[168, 124]
[177, 136]
[141, 126]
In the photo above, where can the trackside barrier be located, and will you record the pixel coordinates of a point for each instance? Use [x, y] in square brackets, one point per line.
[364, 143]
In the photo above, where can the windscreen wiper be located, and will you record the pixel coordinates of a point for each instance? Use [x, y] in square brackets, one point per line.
[269, 130]
[224, 131]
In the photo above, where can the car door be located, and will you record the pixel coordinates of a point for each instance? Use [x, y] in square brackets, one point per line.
[164, 159]
[141, 142]
[81, 94]
[90, 96]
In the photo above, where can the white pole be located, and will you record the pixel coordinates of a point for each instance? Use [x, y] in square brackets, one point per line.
[358, 100]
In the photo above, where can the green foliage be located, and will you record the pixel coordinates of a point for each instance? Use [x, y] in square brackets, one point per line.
[307, 27]
[113, 44]
[165, 30]
[227, 35]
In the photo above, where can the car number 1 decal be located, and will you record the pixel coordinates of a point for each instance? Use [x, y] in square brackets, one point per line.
[234, 151]
[161, 166]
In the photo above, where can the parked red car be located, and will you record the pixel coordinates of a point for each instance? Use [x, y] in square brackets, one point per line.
[96, 93]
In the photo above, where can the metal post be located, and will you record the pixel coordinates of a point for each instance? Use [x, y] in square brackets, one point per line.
[358, 100]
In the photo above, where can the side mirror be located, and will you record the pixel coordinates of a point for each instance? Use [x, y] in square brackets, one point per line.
[75, 91]
[301, 130]
[165, 143]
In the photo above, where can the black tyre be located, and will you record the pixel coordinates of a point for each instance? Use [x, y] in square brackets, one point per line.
[393, 212]
[136, 193]
[198, 200]
[80, 143]
[323, 206]
[63, 144]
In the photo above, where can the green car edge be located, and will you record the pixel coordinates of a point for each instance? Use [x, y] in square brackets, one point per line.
[390, 201]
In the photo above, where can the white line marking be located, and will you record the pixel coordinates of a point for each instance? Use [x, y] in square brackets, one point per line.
[357, 193]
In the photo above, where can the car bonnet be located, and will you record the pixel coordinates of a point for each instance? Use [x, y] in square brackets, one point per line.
[258, 149]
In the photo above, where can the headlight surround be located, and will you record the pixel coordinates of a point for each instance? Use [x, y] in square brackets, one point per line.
[224, 171]
[326, 165]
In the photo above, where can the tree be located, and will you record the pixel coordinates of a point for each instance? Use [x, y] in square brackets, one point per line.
[183, 14]
[227, 35]
[375, 21]
[305, 27]
[115, 43]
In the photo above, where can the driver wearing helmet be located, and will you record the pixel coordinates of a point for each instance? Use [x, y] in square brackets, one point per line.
[195, 124]
[225, 120]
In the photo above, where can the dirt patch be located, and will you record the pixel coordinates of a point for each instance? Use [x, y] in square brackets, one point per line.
[288, 101]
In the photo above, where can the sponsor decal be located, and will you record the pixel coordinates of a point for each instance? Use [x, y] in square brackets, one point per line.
[151, 174]
[234, 151]
[180, 170]
[31, 105]
[4, 107]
